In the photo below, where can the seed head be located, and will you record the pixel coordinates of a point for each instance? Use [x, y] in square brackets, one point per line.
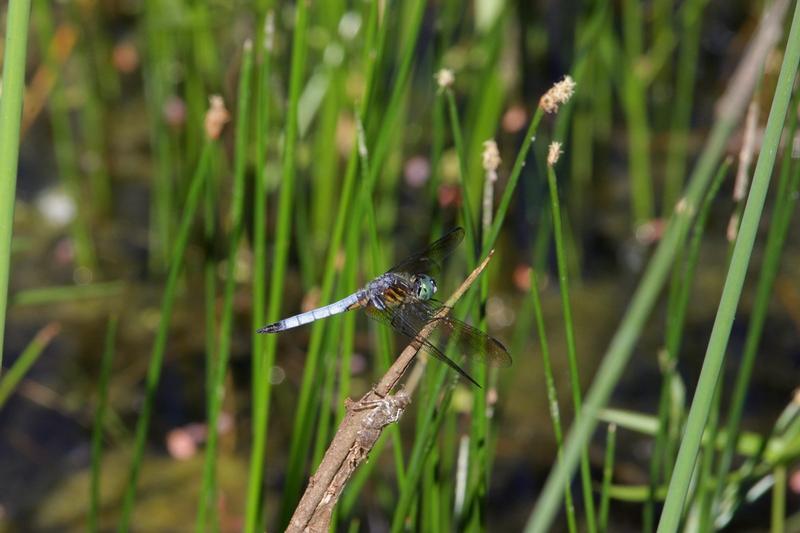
[553, 153]
[445, 78]
[491, 157]
[560, 93]
[216, 117]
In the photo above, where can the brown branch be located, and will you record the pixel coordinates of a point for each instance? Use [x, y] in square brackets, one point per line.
[362, 426]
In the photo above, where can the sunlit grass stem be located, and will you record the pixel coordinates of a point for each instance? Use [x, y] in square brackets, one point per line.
[644, 298]
[29, 356]
[785, 201]
[709, 375]
[511, 184]
[608, 474]
[634, 102]
[217, 393]
[678, 144]
[68, 293]
[480, 445]
[682, 283]
[432, 417]
[262, 364]
[10, 114]
[160, 342]
[301, 432]
[569, 331]
[466, 204]
[377, 263]
[552, 394]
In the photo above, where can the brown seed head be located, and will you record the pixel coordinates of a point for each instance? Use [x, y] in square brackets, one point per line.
[560, 93]
[216, 117]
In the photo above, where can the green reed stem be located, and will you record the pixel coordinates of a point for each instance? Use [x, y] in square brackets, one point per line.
[159, 345]
[210, 278]
[92, 61]
[26, 360]
[552, 395]
[433, 415]
[634, 102]
[681, 108]
[513, 178]
[703, 495]
[466, 204]
[486, 101]
[97, 427]
[383, 351]
[681, 288]
[642, 302]
[325, 412]
[432, 419]
[66, 149]
[217, 392]
[778, 514]
[388, 122]
[569, 332]
[429, 422]
[479, 439]
[677, 318]
[161, 55]
[301, 433]
[262, 362]
[786, 198]
[69, 293]
[282, 233]
[608, 474]
[723, 322]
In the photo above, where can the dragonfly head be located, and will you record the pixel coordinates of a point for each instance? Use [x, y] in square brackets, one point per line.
[424, 287]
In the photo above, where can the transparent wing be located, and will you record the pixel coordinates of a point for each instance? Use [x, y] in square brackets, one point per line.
[470, 341]
[409, 318]
[398, 321]
[430, 260]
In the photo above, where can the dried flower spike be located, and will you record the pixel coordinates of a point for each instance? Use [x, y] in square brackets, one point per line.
[553, 153]
[491, 156]
[560, 93]
[445, 78]
[216, 117]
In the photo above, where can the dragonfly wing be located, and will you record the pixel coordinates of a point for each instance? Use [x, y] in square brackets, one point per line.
[431, 259]
[471, 342]
[405, 321]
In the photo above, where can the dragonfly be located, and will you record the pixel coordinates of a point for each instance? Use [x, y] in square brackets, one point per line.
[403, 299]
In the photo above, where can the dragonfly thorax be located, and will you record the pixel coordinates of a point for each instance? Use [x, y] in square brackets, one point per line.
[424, 286]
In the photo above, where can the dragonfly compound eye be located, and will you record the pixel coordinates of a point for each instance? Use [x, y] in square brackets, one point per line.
[426, 287]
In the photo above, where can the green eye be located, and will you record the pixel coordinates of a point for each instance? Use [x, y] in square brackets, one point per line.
[426, 287]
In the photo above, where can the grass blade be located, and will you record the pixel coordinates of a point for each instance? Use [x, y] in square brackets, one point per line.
[730, 110]
[159, 345]
[569, 331]
[715, 353]
[217, 392]
[10, 116]
[608, 474]
[26, 360]
[262, 364]
[97, 427]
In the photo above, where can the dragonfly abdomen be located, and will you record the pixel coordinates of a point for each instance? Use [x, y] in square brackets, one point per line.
[351, 302]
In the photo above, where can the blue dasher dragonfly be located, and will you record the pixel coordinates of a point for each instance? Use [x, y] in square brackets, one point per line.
[403, 298]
